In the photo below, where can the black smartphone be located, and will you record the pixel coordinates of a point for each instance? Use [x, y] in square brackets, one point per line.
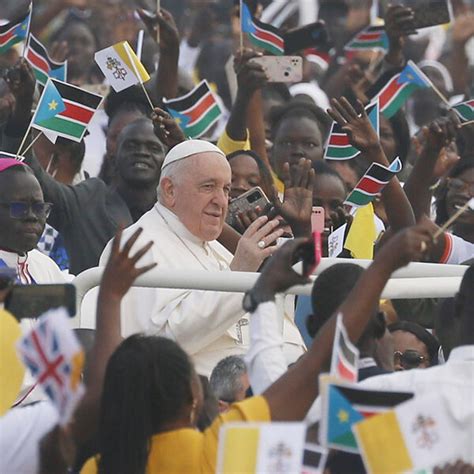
[31, 301]
[427, 12]
[314, 35]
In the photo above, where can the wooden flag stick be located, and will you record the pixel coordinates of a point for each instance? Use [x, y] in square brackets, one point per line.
[158, 8]
[23, 141]
[241, 32]
[32, 143]
[147, 96]
[440, 94]
[140, 44]
[467, 123]
[27, 37]
[451, 220]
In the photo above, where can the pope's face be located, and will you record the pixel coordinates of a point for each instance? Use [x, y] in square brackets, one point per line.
[201, 195]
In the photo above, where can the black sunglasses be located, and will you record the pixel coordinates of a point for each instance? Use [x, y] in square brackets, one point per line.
[409, 359]
[20, 210]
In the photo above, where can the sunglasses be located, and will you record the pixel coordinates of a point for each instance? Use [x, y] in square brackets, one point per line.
[21, 210]
[409, 359]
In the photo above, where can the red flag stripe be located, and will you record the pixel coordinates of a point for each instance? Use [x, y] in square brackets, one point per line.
[270, 37]
[339, 140]
[196, 112]
[369, 36]
[77, 112]
[6, 37]
[370, 186]
[345, 372]
[37, 60]
[389, 91]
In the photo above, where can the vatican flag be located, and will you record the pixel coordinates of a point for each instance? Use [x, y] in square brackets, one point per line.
[121, 66]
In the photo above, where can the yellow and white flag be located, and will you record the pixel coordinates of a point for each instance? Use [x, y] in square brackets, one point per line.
[260, 447]
[121, 66]
[419, 434]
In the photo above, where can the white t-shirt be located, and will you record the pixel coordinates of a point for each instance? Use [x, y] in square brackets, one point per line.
[456, 250]
[21, 430]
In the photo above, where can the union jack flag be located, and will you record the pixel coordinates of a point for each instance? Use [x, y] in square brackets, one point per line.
[55, 358]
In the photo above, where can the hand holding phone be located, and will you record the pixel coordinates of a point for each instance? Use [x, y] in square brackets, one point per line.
[314, 35]
[281, 68]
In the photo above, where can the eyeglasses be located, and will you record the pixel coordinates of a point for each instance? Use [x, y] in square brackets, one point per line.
[458, 185]
[409, 359]
[20, 210]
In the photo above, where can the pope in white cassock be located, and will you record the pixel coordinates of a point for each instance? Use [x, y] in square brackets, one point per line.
[184, 224]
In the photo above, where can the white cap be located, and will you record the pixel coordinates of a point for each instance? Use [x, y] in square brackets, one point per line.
[188, 148]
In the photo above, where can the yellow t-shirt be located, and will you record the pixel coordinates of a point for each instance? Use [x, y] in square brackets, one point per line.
[187, 450]
[229, 145]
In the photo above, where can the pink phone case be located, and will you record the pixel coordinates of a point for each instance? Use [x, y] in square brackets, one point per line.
[317, 219]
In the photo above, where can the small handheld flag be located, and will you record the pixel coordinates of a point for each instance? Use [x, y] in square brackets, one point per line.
[261, 34]
[196, 111]
[372, 183]
[465, 110]
[415, 436]
[339, 146]
[372, 37]
[15, 31]
[55, 358]
[345, 356]
[396, 91]
[65, 110]
[121, 66]
[343, 405]
[43, 66]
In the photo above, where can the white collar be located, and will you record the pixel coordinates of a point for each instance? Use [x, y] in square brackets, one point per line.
[13, 258]
[462, 353]
[176, 225]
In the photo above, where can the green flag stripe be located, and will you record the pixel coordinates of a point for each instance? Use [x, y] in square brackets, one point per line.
[398, 100]
[341, 152]
[346, 440]
[57, 124]
[366, 44]
[41, 77]
[359, 198]
[465, 111]
[12, 42]
[204, 123]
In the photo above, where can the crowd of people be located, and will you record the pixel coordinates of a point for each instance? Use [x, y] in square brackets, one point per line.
[167, 368]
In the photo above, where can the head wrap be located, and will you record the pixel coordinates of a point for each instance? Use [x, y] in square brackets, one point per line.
[6, 163]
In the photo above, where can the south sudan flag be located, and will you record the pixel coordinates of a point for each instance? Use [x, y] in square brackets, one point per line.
[372, 37]
[465, 110]
[339, 146]
[65, 110]
[261, 34]
[196, 111]
[345, 405]
[372, 183]
[14, 32]
[43, 66]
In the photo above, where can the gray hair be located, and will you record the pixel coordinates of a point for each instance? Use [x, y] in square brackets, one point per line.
[226, 377]
[173, 171]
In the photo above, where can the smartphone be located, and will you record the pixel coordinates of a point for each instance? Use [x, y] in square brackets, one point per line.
[427, 12]
[308, 36]
[317, 219]
[281, 68]
[31, 301]
[248, 201]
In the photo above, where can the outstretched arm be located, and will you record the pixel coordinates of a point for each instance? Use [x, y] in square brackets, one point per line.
[291, 396]
[119, 275]
[362, 135]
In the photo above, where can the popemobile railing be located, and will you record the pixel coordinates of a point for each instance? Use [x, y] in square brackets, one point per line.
[417, 280]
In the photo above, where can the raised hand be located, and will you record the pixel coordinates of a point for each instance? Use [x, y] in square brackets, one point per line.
[355, 123]
[166, 128]
[250, 75]
[256, 244]
[399, 23]
[277, 273]
[21, 82]
[169, 34]
[121, 269]
[298, 198]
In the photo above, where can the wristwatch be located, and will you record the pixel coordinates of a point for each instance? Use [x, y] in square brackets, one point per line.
[252, 299]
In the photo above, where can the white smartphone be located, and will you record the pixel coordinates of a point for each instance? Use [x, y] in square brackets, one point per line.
[281, 68]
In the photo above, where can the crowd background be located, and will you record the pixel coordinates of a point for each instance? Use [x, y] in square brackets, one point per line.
[201, 356]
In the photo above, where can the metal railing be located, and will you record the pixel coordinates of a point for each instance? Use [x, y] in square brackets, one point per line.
[417, 280]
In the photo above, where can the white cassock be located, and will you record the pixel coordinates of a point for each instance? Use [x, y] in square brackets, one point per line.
[209, 325]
